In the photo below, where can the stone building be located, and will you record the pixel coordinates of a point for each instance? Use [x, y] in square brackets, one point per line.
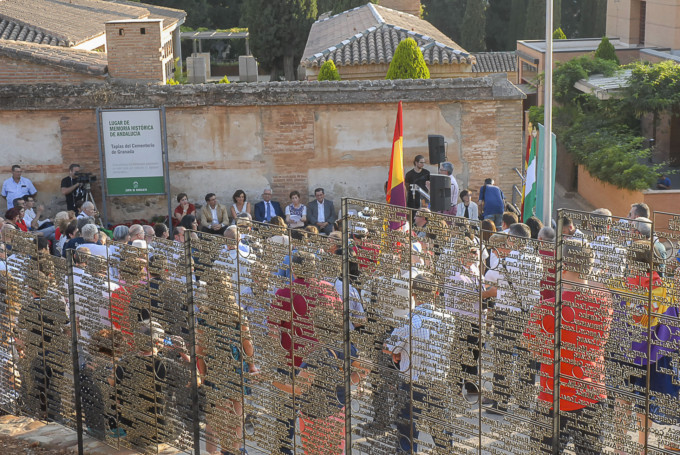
[293, 135]
[362, 41]
[74, 41]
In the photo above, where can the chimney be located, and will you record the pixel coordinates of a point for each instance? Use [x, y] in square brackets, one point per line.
[135, 50]
[406, 6]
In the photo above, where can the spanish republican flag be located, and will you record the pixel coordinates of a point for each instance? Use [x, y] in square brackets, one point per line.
[396, 191]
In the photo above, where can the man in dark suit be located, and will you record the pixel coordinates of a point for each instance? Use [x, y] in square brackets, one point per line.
[267, 209]
[321, 213]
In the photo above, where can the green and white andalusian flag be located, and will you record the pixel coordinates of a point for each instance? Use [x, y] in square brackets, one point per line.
[530, 187]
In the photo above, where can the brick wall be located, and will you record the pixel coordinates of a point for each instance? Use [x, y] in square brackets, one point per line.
[13, 71]
[407, 6]
[135, 50]
[288, 136]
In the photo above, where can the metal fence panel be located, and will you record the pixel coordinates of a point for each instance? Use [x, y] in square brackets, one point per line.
[386, 338]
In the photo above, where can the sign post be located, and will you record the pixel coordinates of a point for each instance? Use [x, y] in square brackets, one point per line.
[133, 153]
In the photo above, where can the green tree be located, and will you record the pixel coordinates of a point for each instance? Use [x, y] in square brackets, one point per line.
[559, 34]
[446, 15]
[584, 18]
[605, 51]
[498, 32]
[593, 18]
[535, 18]
[518, 13]
[653, 89]
[474, 26]
[198, 14]
[225, 14]
[328, 72]
[408, 62]
[338, 6]
[278, 33]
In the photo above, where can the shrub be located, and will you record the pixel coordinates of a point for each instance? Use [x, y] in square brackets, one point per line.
[606, 51]
[328, 72]
[408, 62]
[536, 115]
[179, 76]
[224, 80]
[559, 34]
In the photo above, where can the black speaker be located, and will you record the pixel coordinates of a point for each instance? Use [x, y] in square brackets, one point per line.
[437, 150]
[440, 192]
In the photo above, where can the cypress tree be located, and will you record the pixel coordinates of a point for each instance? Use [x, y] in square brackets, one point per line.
[498, 26]
[593, 18]
[559, 34]
[328, 72]
[518, 12]
[408, 62]
[278, 33]
[535, 25]
[474, 27]
[339, 6]
[571, 17]
[606, 51]
[446, 15]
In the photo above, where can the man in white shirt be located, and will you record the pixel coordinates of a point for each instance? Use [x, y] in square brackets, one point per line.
[16, 186]
[87, 209]
[517, 277]
[321, 213]
[417, 350]
[90, 234]
[446, 168]
[32, 218]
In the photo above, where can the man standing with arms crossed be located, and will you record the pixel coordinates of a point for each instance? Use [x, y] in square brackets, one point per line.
[17, 186]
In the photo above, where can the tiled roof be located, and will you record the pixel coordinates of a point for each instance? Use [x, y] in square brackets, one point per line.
[10, 30]
[78, 60]
[370, 34]
[71, 22]
[495, 62]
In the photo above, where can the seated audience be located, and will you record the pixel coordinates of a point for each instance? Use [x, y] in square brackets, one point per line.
[214, 216]
[296, 212]
[240, 205]
[467, 208]
[183, 209]
[321, 212]
[267, 209]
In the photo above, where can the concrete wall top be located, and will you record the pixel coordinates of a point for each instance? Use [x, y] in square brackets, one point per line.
[52, 96]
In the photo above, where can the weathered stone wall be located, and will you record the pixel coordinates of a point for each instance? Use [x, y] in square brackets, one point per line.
[285, 135]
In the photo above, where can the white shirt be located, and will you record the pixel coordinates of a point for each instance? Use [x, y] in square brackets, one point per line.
[235, 262]
[95, 250]
[454, 191]
[423, 339]
[356, 309]
[12, 190]
[518, 280]
[214, 214]
[461, 293]
[320, 217]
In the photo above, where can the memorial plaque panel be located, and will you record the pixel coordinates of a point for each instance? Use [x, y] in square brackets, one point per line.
[439, 338]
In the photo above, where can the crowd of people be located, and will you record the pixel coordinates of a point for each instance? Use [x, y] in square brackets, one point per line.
[607, 267]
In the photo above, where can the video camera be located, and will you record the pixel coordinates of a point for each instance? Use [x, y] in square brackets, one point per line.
[85, 177]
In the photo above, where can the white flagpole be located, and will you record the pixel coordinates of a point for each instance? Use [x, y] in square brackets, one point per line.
[547, 119]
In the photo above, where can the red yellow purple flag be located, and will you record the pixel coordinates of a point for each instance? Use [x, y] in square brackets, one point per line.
[396, 191]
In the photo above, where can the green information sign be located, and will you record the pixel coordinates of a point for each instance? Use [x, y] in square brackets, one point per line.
[133, 152]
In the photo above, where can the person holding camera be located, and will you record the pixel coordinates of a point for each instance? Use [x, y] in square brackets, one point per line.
[72, 188]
